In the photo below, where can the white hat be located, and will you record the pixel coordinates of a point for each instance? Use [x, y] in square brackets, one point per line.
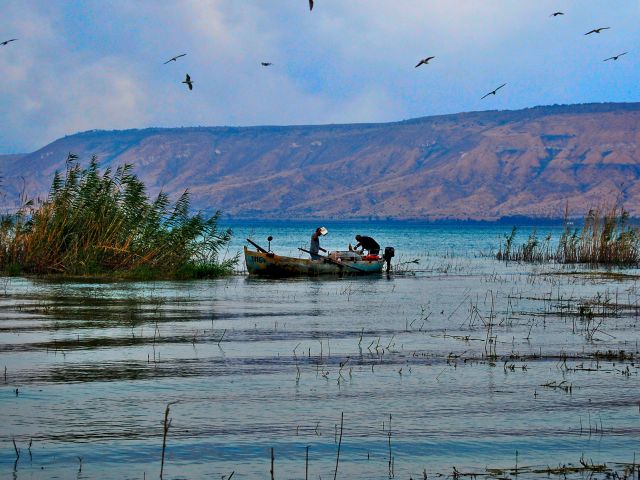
[323, 231]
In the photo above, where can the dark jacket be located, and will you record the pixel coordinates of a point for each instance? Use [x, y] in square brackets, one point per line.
[369, 244]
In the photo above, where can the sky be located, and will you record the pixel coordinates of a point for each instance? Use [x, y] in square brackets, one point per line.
[98, 64]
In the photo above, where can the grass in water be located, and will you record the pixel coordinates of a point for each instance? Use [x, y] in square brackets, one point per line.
[102, 223]
[606, 238]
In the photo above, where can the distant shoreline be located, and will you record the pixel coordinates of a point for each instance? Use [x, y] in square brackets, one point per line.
[510, 221]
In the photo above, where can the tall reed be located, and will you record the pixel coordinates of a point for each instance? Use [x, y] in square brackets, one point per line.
[102, 222]
[606, 238]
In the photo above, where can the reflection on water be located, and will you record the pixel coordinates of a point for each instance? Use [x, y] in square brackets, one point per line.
[473, 359]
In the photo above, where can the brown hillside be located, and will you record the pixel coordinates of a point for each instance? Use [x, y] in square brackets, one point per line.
[482, 165]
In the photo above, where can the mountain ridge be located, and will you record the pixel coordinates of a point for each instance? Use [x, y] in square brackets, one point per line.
[467, 166]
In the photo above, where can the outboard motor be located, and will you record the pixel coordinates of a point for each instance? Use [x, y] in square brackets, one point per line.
[389, 253]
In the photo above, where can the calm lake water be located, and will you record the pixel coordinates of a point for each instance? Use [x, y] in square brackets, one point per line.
[457, 360]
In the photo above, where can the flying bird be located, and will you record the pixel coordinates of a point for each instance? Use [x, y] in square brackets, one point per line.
[555, 14]
[266, 64]
[494, 91]
[189, 82]
[424, 61]
[615, 57]
[175, 58]
[8, 41]
[310, 5]
[597, 30]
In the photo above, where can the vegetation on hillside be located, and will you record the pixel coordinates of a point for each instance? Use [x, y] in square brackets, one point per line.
[606, 238]
[102, 223]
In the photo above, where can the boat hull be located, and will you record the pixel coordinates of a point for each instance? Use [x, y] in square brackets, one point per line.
[272, 265]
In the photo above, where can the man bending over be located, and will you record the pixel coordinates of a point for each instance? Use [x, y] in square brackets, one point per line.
[368, 244]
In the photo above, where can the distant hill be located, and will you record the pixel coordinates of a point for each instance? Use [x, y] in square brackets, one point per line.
[480, 165]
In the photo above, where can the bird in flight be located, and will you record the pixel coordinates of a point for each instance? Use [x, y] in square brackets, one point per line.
[494, 91]
[310, 5]
[8, 41]
[175, 58]
[424, 61]
[555, 14]
[597, 30]
[266, 64]
[189, 82]
[615, 57]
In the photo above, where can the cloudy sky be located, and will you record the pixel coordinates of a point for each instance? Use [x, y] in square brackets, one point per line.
[98, 64]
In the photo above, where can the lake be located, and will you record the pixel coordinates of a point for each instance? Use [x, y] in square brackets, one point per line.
[455, 360]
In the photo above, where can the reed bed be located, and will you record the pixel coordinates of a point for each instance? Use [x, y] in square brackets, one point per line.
[606, 238]
[101, 222]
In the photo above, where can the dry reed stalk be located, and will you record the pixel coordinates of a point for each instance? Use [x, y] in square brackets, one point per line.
[15, 447]
[272, 462]
[167, 424]
[306, 464]
[335, 473]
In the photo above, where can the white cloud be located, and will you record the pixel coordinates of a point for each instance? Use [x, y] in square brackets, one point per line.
[99, 64]
[51, 90]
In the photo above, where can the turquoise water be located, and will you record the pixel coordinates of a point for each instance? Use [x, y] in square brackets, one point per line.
[411, 240]
[472, 358]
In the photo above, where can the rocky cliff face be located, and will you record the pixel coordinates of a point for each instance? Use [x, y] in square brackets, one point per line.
[482, 165]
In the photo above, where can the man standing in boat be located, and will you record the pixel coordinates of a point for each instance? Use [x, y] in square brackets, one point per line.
[368, 244]
[314, 247]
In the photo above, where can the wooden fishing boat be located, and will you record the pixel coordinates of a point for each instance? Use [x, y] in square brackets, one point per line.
[268, 264]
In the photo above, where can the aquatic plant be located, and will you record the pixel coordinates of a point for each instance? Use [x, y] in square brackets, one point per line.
[97, 222]
[607, 238]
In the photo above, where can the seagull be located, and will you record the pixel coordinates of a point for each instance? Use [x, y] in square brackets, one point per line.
[597, 30]
[175, 58]
[8, 41]
[615, 57]
[424, 61]
[189, 82]
[266, 64]
[310, 5]
[494, 91]
[555, 14]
